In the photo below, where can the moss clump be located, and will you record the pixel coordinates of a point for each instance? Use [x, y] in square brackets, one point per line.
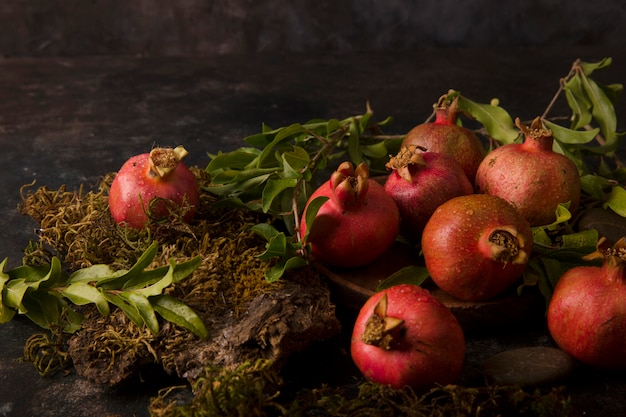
[254, 389]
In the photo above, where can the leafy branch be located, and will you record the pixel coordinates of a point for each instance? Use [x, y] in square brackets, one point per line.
[277, 173]
[46, 294]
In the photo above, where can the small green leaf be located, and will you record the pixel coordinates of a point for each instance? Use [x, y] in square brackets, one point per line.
[275, 247]
[6, 313]
[354, 143]
[582, 239]
[94, 273]
[278, 270]
[158, 287]
[237, 160]
[129, 309]
[495, 119]
[569, 136]
[311, 212]
[589, 67]
[412, 274]
[594, 185]
[578, 102]
[44, 309]
[117, 282]
[81, 293]
[175, 311]
[145, 310]
[603, 112]
[616, 200]
[273, 189]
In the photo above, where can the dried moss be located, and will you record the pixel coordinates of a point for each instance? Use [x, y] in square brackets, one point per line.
[254, 389]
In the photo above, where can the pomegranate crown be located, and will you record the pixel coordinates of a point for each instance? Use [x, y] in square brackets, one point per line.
[350, 185]
[408, 157]
[614, 256]
[165, 160]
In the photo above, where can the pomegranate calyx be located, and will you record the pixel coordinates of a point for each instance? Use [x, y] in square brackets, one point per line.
[165, 160]
[379, 326]
[614, 256]
[408, 157]
[447, 108]
[537, 136]
[350, 185]
[507, 246]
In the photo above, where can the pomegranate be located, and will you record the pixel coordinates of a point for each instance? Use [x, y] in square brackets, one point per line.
[444, 135]
[358, 222]
[404, 336]
[420, 182]
[153, 186]
[531, 176]
[476, 246]
[587, 311]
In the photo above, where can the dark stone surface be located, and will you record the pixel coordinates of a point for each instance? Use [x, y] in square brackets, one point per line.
[68, 121]
[529, 366]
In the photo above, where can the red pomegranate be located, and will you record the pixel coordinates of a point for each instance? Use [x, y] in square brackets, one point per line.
[531, 176]
[444, 135]
[420, 182]
[358, 222]
[153, 186]
[587, 311]
[404, 336]
[476, 246]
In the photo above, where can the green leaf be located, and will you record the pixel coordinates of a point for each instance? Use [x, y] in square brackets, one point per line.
[275, 247]
[144, 308]
[603, 112]
[569, 136]
[616, 200]
[142, 263]
[294, 162]
[377, 150]
[412, 274]
[273, 189]
[578, 102]
[177, 312]
[6, 313]
[81, 293]
[158, 287]
[94, 273]
[495, 119]
[589, 67]
[354, 143]
[311, 212]
[238, 159]
[583, 239]
[278, 270]
[44, 309]
[594, 185]
[129, 309]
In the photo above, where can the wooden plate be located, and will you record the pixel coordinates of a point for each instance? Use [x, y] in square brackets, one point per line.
[352, 287]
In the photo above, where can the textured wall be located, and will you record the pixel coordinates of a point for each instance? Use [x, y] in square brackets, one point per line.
[155, 27]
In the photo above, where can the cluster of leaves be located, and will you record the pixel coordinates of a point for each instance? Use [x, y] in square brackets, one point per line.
[279, 169]
[46, 294]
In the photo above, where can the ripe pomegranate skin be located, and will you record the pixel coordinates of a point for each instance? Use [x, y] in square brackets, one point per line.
[158, 174]
[476, 246]
[587, 311]
[426, 348]
[421, 182]
[358, 222]
[445, 136]
[531, 176]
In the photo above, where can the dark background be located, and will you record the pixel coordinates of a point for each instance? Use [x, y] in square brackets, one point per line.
[200, 27]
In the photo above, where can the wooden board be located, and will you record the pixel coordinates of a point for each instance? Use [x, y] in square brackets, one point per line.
[352, 287]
